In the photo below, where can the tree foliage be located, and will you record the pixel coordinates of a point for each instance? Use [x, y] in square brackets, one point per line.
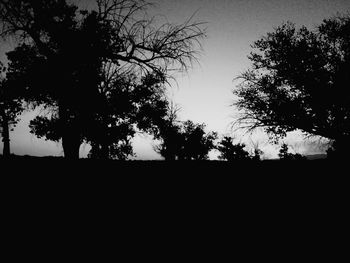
[76, 62]
[124, 107]
[299, 79]
[167, 130]
[231, 151]
[129, 106]
[184, 140]
[197, 142]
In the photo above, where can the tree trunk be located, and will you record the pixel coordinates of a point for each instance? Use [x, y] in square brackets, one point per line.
[5, 136]
[71, 145]
[71, 138]
[169, 151]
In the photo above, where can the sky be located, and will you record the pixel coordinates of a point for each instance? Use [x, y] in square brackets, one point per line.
[205, 92]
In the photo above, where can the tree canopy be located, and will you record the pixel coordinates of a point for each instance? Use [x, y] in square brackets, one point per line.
[299, 79]
[185, 141]
[231, 151]
[87, 66]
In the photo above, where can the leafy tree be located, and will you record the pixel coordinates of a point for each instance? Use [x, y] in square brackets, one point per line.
[299, 80]
[10, 109]
[130, 106]
[64, 55]
[196, 142]
[52, 62]
[168, 131]
[232, 152]
[184, 140]
[126, 107]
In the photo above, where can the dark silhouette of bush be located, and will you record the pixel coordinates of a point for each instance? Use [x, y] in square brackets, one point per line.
[184, 140]
[232, 152]
[285, 155]
[197, 143]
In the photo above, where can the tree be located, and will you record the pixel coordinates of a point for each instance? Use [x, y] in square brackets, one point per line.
[285, 155]
[10, 109]
[232, 152]
[196, 142]
[299, 80]
[66, 50]
[124, 107]
[51, 59]
[183, 140]
[168, 131]
[129, 106]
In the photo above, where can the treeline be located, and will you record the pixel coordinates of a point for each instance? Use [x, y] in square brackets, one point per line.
[99, 76]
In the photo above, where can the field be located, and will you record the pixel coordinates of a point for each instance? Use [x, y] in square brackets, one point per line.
[49, 166]
[175, 189]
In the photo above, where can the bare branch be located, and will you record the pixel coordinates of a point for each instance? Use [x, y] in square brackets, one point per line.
[150, 43]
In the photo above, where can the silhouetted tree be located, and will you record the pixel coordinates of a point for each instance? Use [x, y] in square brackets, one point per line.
[52, 61]
[183, 140]
[62, 54]
[130, 106]
[284, 154]
[300, 80]
[168, 131]
[10, 109]
[112, 127]
[196, 142]
[232, 152]
[126, 106]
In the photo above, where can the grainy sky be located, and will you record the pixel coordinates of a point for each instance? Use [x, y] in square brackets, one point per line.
[205, 93]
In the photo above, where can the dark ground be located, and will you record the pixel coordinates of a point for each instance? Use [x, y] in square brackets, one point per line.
[292, 179]
[191, 184]
[281, 207]
[49, 168]
[219, 185]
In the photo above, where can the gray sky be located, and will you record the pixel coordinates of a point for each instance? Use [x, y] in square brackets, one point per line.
[205, 93]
